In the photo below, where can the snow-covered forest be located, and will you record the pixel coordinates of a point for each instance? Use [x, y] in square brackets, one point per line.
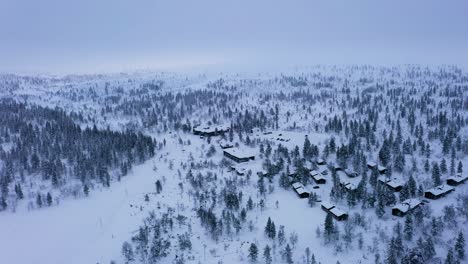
[323, 164]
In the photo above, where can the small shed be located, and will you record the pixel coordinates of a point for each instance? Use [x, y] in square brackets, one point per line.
[457, 180]
[438, 192]
[240, 170]
[226, 145]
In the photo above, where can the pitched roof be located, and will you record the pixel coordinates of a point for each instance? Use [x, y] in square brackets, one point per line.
[240, 153]
[458, 178]
[407, 205]
[441, 189]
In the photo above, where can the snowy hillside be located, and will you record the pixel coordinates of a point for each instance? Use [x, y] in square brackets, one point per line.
[323, 164]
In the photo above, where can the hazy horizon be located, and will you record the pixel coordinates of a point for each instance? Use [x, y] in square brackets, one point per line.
[111, 36]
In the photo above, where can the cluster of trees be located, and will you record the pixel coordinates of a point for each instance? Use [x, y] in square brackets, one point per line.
[152, 242]
[47, 144]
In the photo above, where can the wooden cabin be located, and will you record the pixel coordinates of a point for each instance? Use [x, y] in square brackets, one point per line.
[210, 130]
[238, 155]
[392, 184]
[371, 165]
[438, 192]
[318, 178]
[405, 207]
[338, 214]
[456, 180]
[226, 145]
[382, 169]
[300, 190]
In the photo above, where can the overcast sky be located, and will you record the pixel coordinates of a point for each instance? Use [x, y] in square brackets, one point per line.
[61, 36]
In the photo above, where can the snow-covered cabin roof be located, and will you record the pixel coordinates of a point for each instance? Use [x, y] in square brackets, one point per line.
[350, 186]
[441, 189]
[337, 212]
[320, 161]
[458, 178]
[351, 173]
[240, 153]
[407, 205]
[211, 129]
[301, 190]
[297, 185]
[225, 144]
[394, 183]
[381, 168]
[327, 205]
[318, 177]
[239, 169]
[371, 164]
[313, 173]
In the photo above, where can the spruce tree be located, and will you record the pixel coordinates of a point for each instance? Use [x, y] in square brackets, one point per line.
[460, 246]
[436, 174]
[428, 248]
[267, 255]
[450, 259]
[329, 228]
[391, 254]
[127, 252]
[281, 235]
[253, 252]
[443, 166]
[86, 189]
[412, 186]
[49, 199]
[408, 229]
[39, 200]
[287, 254]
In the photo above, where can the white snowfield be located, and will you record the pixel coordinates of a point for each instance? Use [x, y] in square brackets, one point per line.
[89, 230]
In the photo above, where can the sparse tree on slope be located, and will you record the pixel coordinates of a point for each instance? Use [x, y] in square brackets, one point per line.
[267, 255]
[460, 246]
[253, 252]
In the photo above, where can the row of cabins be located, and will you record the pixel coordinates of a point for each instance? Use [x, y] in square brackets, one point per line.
[435, 193]
[396, 185]
[337, 213]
